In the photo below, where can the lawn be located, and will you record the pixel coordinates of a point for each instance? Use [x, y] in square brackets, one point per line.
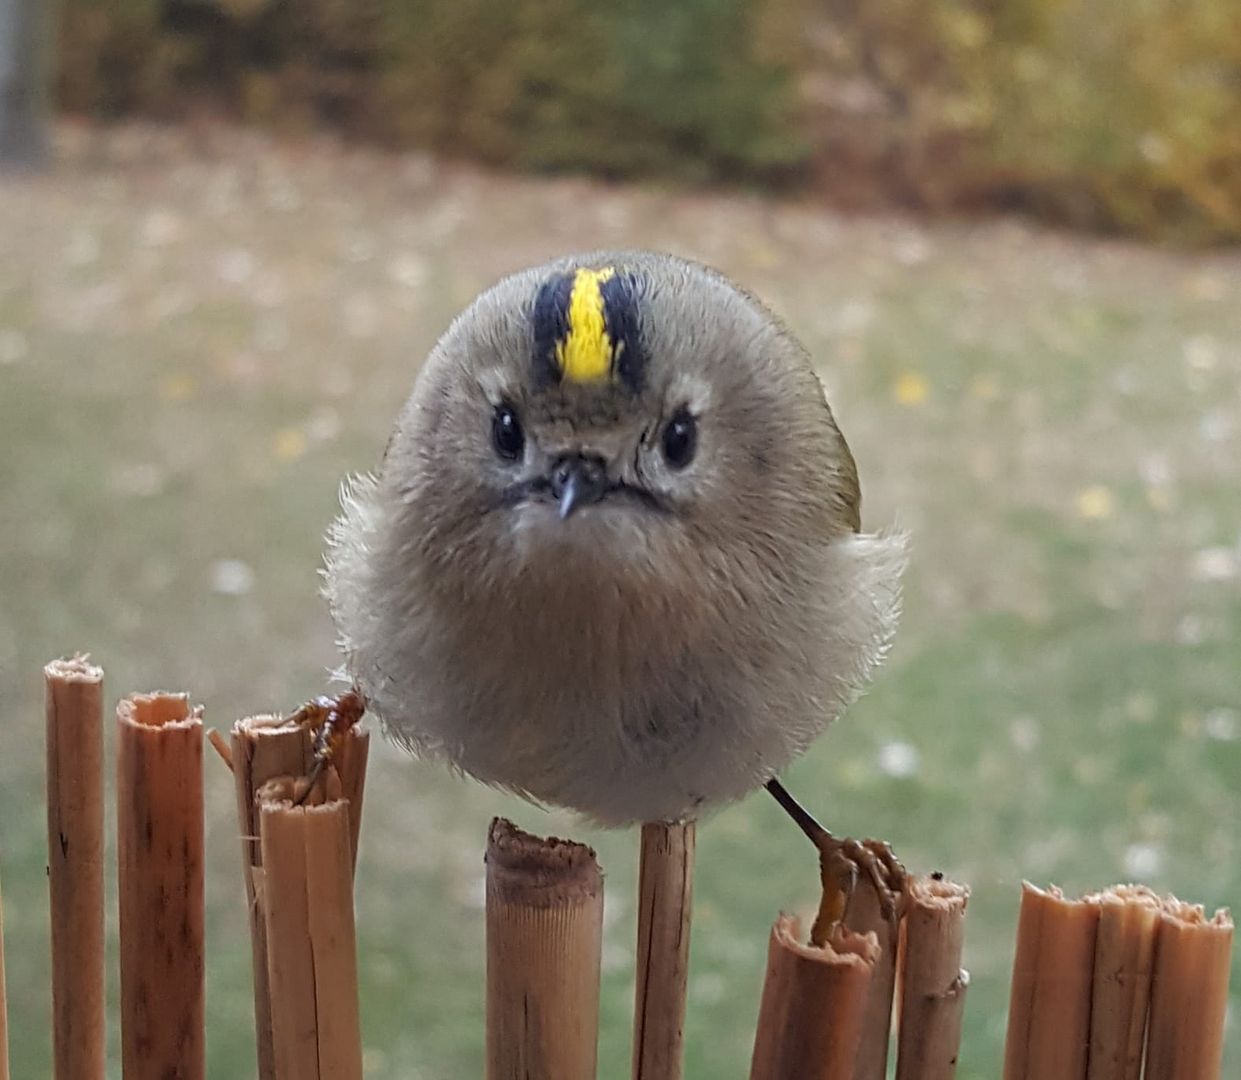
[202, 332]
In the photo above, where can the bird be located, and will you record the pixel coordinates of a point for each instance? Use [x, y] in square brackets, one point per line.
[613, 559]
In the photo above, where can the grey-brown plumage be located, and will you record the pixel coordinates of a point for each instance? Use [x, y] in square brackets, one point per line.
[674, 629]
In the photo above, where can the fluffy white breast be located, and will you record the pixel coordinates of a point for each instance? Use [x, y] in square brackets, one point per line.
[628, 722]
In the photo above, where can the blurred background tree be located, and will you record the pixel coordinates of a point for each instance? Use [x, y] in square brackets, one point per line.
[23, 82]
[1115, 116]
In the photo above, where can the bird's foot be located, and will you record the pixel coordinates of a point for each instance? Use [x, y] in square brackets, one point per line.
[843, 863]
[329, 721]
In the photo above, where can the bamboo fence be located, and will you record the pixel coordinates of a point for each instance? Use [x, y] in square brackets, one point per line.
[1122, 984]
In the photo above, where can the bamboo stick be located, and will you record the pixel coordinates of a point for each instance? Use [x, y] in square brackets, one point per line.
[1124, 951]
[262, 749]
[933, 983]
[4, 1008]
[1049, 1012]
[544, 936]
[311, 943]
[864, 915]
[350, 766]
[160, 846]
[814, 1004]
[665, 898]
[1189, 993]
[73, 695]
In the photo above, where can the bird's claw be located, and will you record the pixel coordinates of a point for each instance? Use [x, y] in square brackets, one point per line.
[328, 720]
[843, 862]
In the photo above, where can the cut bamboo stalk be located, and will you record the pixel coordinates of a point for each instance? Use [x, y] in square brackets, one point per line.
[311, 941]
[864, 915]
[665, 898]
[262, 749]
[1189, 993]
[73, 696]
[544, 938]
[933, 983]
[814, 1004]
[1049, 1012]
[1124, 951]
[160, 847]
[4, 1008]
[350, 766]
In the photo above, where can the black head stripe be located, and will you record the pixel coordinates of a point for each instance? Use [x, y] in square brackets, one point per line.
[550, 319]
[621, 297]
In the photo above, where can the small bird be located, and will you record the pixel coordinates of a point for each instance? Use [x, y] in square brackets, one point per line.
[612, 559]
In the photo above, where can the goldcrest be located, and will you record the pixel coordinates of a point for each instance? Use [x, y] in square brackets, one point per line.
[612, 559]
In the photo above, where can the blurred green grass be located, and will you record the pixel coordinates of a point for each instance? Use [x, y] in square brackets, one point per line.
[197, 343]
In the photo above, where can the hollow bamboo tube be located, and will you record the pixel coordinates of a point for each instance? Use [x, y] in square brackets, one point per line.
[350, 766]
[264, 748]
[813, 1005]
[865, 916]
[73, 697]
[4, 1008]
[311, 942]
[933, 983]
[544, 937]
[1049, 1011]
[160, 847]
[1124, 952]
[665, 898]
[1189, 993]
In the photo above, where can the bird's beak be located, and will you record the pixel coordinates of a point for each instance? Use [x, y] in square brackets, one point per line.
[578, 481]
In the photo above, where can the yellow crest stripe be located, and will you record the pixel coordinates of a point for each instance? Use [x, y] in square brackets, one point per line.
[586, 352]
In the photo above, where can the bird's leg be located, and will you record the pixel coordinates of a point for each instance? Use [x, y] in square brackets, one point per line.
[312, 717]
[329, 720]
[842, 862]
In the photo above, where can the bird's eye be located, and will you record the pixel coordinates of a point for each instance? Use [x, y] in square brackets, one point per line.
[506, 433]
[681, 439]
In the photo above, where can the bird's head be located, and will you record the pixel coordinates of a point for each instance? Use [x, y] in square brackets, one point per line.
[627, 414]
